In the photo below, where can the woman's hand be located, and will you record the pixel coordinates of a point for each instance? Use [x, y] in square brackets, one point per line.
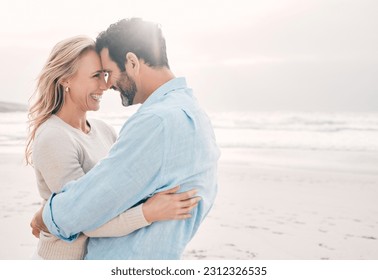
[37, 223]
[169, 205]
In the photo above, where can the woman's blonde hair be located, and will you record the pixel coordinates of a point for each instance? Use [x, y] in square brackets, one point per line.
[48, 97]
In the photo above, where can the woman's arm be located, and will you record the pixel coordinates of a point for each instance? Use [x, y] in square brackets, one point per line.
[167, 205]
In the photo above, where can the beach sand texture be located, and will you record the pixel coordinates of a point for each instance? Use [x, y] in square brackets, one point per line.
[272, 204]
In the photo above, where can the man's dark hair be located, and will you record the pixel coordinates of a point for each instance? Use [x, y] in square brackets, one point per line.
[144, 39]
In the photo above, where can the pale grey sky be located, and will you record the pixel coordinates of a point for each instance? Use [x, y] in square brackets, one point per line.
[314, 55]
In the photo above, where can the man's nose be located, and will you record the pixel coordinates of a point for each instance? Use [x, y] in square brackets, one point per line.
[104, 81]
[103, 85]
[109, 83]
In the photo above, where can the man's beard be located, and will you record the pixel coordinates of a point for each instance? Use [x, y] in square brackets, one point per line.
[128, 91]
[127, 96]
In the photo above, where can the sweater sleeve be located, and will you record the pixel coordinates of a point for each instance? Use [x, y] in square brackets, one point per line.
[125, 223]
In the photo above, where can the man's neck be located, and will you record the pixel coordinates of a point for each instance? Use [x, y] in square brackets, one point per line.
[153, 79]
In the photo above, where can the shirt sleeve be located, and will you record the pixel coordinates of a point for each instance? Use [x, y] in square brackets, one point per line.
[130, 173]
[57, 158]
[125, 223]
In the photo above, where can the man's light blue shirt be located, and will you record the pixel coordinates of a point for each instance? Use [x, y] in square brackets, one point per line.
[169, 141]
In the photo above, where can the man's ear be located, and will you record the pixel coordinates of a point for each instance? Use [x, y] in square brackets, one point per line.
[132, 65]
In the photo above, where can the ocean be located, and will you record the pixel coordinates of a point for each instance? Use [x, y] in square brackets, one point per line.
[255, 130]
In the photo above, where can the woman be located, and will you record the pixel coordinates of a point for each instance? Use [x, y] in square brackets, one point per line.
[63, 145]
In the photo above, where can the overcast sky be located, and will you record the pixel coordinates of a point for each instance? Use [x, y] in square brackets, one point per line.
[313, 55]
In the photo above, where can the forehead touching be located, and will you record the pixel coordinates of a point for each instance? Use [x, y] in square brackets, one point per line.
[90, 62]
[107, 63]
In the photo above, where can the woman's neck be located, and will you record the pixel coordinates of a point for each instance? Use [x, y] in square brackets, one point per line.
[75, 118]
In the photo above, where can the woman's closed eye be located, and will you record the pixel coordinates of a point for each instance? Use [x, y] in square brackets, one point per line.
[96, 75]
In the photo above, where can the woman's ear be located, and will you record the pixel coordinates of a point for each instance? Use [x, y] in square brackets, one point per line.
[64, 83]
[132, 65]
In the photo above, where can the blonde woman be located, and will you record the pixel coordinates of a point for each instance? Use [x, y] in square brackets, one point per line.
[63, 145]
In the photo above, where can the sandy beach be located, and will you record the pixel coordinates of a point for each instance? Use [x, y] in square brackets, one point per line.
[282, 204]
[272, 205]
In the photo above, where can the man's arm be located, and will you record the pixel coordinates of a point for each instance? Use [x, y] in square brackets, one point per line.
[131, 171]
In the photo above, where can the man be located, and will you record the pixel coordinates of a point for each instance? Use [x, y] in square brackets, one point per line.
[169, 141]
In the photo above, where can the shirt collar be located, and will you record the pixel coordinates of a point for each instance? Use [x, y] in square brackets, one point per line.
[171, 85]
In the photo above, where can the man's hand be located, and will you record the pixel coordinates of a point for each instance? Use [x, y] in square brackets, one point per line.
[37, 223]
